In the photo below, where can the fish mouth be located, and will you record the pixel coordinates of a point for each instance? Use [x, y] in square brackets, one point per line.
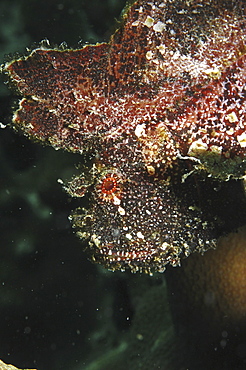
[144, 258]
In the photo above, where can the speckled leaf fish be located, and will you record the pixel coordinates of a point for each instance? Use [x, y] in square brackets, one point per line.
[163, 101]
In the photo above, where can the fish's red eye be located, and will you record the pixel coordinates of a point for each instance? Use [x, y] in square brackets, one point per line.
[109, 187]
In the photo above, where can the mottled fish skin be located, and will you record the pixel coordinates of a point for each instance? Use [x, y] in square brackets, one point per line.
[165, 98]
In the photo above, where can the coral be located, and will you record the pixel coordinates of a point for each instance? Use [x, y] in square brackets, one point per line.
[208, 296]
[4, 366]
[218, 278]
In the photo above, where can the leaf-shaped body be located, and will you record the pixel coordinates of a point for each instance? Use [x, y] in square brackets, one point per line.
[163, 98]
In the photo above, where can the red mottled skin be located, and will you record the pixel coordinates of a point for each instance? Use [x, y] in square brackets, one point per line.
[165, 97]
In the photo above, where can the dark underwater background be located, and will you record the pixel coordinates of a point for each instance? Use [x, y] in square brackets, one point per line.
[59, 311]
